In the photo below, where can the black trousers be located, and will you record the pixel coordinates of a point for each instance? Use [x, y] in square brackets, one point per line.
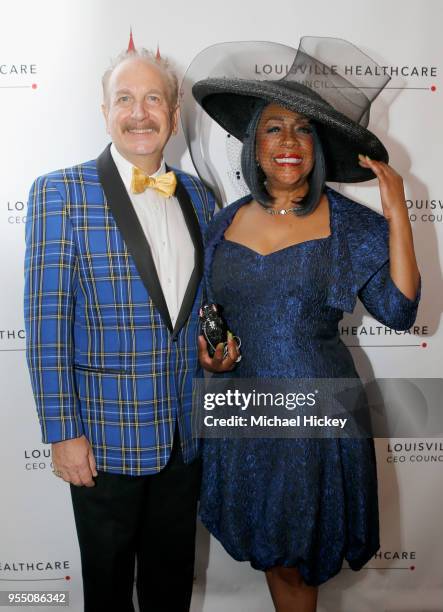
[148, 518]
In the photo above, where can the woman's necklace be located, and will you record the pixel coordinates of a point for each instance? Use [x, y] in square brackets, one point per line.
[282, 211]
[285, 211]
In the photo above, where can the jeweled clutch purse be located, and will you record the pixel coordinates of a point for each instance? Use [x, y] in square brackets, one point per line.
[215, 329]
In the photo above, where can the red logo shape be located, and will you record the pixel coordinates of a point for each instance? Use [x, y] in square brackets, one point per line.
[131, 46]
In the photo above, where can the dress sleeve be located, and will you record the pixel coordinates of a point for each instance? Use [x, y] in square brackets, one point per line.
[386, 303]
[360, 265]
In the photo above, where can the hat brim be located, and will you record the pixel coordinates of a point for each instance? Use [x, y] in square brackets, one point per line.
[231, 102]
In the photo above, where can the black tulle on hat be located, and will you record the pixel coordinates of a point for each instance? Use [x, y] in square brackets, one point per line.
[318, 85]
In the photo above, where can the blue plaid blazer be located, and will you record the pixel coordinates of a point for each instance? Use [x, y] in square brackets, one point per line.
[103, 356]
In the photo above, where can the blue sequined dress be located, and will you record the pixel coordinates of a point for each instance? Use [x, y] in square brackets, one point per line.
[302, 503]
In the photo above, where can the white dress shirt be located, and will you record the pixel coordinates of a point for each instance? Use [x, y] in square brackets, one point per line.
[166, 232]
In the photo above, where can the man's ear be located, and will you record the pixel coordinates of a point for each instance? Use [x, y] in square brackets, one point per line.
[105, 111]
[174, 120]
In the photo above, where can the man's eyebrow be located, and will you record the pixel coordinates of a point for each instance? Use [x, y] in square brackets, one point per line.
[125, 90]
[121, 91]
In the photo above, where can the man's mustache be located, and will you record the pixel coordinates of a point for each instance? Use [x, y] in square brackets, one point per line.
[151, 125]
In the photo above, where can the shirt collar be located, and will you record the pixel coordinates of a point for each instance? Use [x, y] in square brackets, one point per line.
[124, 167]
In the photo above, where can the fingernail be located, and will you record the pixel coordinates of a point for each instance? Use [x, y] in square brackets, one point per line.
[230, 336]
[219, 345]
[361, 156]
[368, 158]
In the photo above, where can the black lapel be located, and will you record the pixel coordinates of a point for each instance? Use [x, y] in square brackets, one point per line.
[194, 230]
[131, 230]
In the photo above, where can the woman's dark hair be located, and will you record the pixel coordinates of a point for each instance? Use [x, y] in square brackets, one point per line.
[255, 177]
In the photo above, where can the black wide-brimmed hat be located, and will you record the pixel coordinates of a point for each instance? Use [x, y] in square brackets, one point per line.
[338, 106]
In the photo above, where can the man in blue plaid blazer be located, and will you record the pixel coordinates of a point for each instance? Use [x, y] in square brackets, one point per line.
[111, 368]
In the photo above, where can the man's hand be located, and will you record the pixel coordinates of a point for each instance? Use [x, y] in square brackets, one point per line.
[217, 363]
[73, 460]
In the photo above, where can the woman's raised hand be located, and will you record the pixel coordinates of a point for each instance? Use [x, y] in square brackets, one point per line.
[392, 192]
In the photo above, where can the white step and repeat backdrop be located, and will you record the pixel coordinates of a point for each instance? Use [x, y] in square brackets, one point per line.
[52, 55]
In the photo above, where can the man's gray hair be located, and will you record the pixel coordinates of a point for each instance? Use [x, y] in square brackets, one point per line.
[151, 58]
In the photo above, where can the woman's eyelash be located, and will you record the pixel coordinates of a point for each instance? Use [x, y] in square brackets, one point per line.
[306, 129]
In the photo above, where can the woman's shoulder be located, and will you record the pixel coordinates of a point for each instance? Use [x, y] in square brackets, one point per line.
[354, 211]
[222, 219]
[230, 210]
[357, 220]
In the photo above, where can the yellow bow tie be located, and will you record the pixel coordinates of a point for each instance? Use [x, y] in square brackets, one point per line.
[164, 183]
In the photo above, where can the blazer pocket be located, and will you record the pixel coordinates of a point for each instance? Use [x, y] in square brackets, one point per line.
[95, 370]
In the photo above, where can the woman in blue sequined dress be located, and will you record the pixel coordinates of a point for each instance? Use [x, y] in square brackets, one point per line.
[284, 263]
